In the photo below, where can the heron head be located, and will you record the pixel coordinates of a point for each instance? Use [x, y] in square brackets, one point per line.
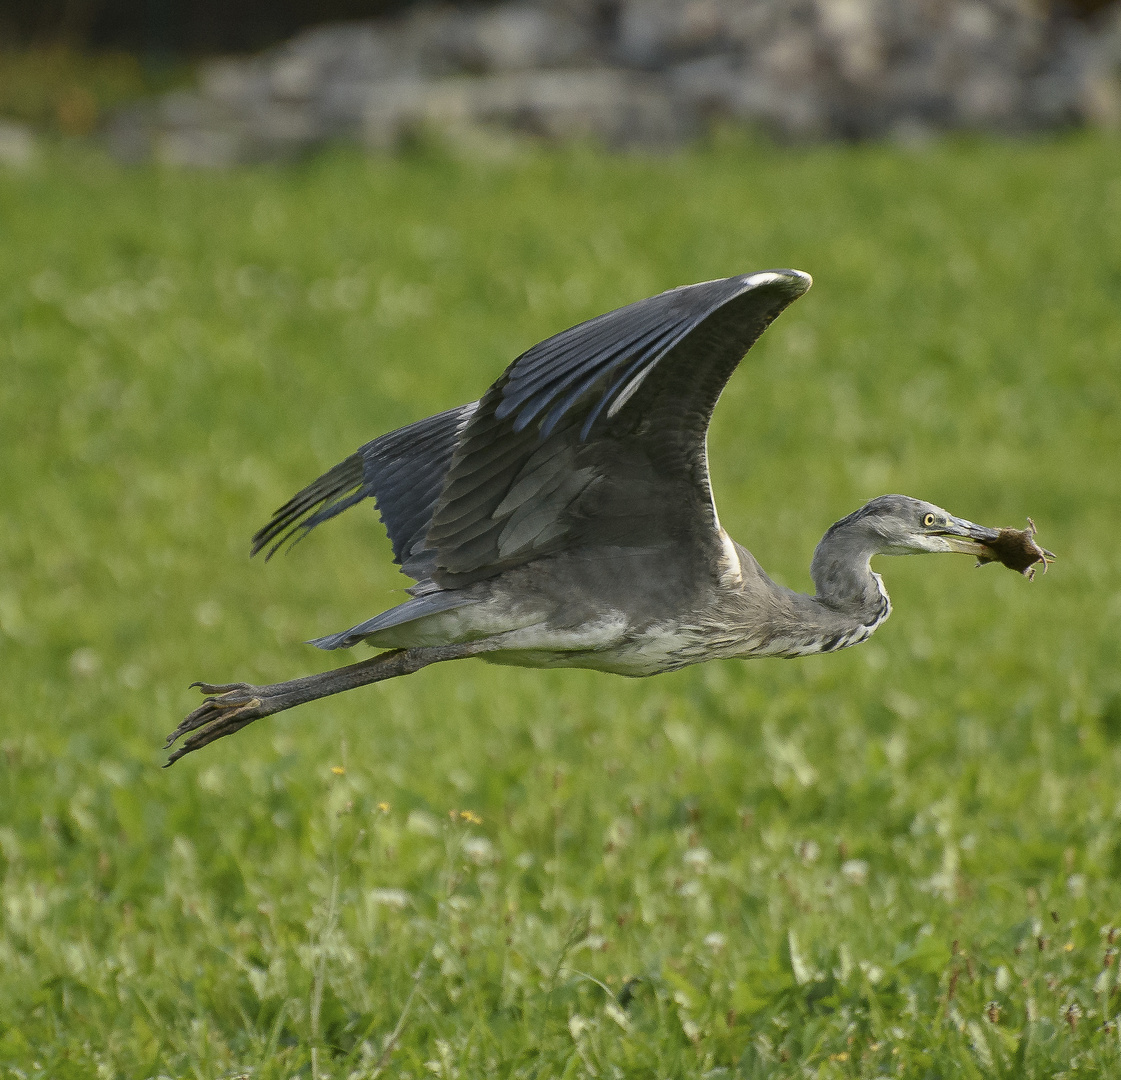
[900, 525]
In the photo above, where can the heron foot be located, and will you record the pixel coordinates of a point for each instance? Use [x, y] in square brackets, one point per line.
[230, 706]
[234, 706]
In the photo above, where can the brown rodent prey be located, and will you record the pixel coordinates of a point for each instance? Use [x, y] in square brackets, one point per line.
[1017, 549]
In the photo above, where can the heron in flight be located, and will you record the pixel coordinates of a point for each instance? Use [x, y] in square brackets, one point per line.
[566, 518]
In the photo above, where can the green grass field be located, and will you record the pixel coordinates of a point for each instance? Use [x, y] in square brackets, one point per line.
[901, 860]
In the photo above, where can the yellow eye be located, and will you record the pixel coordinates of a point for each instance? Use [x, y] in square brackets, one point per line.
[928, 520]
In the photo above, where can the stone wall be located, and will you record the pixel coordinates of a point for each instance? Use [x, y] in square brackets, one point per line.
[646, 73]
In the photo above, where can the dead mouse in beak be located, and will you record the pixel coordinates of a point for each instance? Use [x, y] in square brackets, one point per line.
[1017, 549]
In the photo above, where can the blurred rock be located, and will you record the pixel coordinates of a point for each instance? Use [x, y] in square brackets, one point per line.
[130, 133]
[18, 147]
[617, 108]
[1083, 83]
[654, 33]
[646, 73]
[511, 37]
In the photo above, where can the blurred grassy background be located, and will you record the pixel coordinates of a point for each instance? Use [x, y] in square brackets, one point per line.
[902, 859]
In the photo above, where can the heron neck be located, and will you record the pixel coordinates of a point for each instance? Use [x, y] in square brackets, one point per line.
[843, 575]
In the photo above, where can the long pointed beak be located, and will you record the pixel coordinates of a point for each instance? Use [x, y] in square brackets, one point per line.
[969, 539]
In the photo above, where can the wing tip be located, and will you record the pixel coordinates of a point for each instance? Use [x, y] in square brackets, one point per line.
[795, 282]
[328, 495]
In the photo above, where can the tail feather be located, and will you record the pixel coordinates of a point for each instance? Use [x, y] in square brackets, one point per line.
[417, 608]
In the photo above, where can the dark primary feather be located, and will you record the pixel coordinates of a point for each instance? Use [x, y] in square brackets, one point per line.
[403, 470]
[596, 437]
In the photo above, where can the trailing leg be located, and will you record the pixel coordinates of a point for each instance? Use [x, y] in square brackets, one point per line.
[237, 704]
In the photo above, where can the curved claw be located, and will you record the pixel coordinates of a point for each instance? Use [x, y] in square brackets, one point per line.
[220, 688]
[236, 705]
[233, 705]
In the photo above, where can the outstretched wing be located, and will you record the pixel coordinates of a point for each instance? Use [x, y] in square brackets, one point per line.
[404, 471]
[596, 437]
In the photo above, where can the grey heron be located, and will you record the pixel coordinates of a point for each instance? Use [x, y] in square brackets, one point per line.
[566, 519]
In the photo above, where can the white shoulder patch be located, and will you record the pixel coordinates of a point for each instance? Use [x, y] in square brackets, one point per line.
[731, 570]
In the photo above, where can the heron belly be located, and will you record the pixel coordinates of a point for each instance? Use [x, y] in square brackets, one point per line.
[650, 652]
